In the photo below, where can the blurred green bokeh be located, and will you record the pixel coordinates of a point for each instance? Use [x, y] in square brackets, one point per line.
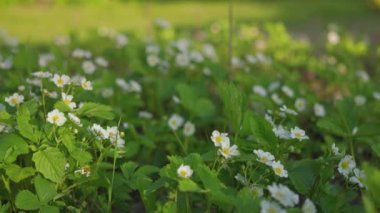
[41, 20]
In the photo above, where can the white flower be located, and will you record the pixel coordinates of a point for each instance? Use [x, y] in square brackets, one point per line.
[85, 170]
[269, 118]
[358, 177]
[270, 207]
[319, 110]
[184, 171]
[283, 195]
[107, 92]
[14, 99]
[228, 151]
[346, 165]
[98, 131]
[285, 109]
[335, 149]
[188, 129]
[256, 192]
[88, 67]
[300, 104]
[360, 100]
[152, 60]
[121, 40]
[112, 133]
[241, 179]
[145, 114]
[376, 95]
[299, 134]
[175, 121]
[219, 138]
[259, 90]
[56, 117]
[53, 94]
[73, 118]
[182, 60]
[134, 86]
[61, 80]
[101, 61]
[277, 99]
[278, 169]
[86, 85]
[44, 59]
[333, 37]
[41, 74]
[176, 99]
[281, 132]
[289, 92]
[68, 100]
[308, 207]
[264, 157]
[363, 75]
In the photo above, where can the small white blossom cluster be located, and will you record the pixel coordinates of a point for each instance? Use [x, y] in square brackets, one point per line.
[84, 170]
[268, 159]
[131, 86]
[109, 133]
[294, 133]
[347, 167]
[175, 122]
[222, 141]
[287, 198]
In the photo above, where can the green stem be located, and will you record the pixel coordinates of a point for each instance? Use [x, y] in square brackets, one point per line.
[109, 208]
[180, 143]
[352, 147]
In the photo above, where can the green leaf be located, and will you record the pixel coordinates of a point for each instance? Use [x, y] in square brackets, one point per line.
[4, 115]
[209, 178]
[12, 146]
[247, 203]
[204, 108]
[49, 209]
[82, 156]
[187, 185]
[96, 110]
[25, 128]
[233, 104]
[329, 124]
[373, 184]
[61, 106]
[303, 175]
[44, 189]
[26, 200]
[51, 163]
[17, 174]
[262, 130]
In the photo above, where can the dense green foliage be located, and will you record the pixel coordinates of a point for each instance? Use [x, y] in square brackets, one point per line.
[128, 124]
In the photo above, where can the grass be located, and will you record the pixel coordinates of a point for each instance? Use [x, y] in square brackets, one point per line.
[43, 22]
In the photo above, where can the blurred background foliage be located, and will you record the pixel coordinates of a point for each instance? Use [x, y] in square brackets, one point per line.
[41, 20]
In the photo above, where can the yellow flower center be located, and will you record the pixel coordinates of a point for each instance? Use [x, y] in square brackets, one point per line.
[272, 210]
[183, 173]
[278, 170]
[218, 139]
[55, 118]
[13, 100]
[264, 159]
[345, 165]
[60, 81]
[67, 102]
[226, 151]
[298, 135]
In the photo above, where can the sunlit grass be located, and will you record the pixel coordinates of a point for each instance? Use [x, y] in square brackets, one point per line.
[42, 22]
